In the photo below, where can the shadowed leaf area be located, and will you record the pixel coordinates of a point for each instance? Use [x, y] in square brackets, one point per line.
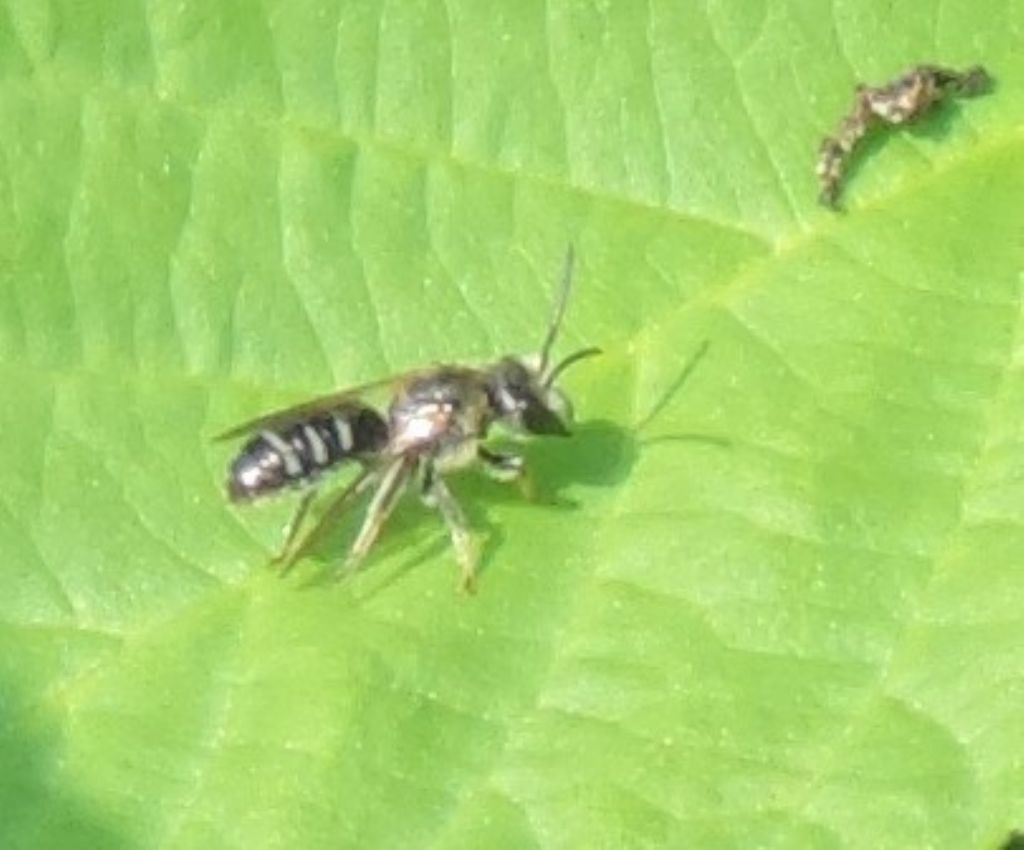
[769, 594]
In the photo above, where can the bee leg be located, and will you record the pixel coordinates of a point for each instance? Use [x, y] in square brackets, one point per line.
[337, 505]
[508, 467]
[392, 484]
[437, 495]
[291, 530]
[501, 466]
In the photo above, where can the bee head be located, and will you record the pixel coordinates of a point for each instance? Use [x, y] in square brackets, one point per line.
[522, 390]
[521, 401]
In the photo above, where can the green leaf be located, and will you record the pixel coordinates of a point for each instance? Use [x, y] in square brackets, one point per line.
[772, 600]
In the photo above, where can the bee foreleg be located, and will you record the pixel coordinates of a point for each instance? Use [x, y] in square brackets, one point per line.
[440, 497]
[501, 466]
[508, 467]
[392, 483]
[291, 530]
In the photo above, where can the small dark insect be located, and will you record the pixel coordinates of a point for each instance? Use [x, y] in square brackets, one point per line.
[902, 101]
[435, 423]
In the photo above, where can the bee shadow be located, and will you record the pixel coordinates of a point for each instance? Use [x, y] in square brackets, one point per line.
[598, 454]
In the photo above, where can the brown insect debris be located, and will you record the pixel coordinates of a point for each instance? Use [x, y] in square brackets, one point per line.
[901, 101]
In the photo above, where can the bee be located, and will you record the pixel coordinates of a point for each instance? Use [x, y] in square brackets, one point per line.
[436, 422]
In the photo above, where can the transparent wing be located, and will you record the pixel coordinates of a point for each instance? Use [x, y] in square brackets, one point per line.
[306, 409]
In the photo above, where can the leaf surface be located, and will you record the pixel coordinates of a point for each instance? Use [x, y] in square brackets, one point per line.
[770, 598]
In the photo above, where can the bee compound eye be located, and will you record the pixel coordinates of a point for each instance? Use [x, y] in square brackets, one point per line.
[540, 419]
[559, 404]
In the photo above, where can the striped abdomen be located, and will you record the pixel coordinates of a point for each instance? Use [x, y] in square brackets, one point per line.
[295, 454]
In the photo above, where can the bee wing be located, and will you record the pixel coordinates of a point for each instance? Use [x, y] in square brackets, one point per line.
[296, 412]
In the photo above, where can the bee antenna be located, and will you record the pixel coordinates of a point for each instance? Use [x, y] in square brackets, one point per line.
[575, 357]
[560, 305]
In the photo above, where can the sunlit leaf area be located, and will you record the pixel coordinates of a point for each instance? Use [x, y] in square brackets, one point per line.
[769, 594]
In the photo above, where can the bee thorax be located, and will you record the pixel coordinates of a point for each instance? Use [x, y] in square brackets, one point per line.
[419, 425]
[439, 414]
